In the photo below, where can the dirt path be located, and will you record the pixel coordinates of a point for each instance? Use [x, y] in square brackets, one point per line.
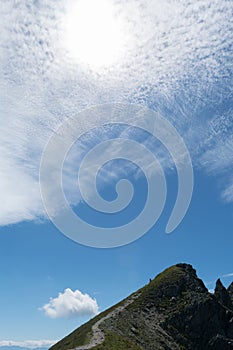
[97, 334]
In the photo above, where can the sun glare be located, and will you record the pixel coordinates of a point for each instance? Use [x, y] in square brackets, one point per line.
[93, 35]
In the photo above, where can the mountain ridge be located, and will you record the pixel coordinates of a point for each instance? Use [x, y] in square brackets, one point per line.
[173, 311]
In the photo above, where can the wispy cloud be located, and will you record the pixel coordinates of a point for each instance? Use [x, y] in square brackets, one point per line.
[30, 344]
[227, 275]
[178, 62]
[227, 194]
[224, 276]
[70, 304]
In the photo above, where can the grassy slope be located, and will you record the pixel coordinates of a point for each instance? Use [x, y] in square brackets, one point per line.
[113, 341]
[82, 335]
[166, 278]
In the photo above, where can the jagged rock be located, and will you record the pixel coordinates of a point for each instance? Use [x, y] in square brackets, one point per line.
[174, 311]
[222, 294]
[230, 292]
[220, 343]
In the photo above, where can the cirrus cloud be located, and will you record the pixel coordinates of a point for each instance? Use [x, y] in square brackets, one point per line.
[179, 62]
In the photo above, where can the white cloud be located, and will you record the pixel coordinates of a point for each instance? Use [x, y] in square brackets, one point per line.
[70, 304]
[30, 344]
[227, 194]
[178, 62]
[227, 275]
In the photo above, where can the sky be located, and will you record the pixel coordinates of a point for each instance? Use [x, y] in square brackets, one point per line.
[155, 73]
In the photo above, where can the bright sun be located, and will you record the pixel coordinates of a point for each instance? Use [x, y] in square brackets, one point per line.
[93, 35]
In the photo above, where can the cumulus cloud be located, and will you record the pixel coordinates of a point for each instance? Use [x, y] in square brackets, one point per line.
[70, 304]
[30, 344]
[177, 61]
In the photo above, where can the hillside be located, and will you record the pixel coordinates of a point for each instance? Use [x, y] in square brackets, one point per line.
[174, 311]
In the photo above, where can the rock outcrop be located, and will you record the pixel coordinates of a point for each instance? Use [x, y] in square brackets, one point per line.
[222, 294]
[230, 292]
[174, 311]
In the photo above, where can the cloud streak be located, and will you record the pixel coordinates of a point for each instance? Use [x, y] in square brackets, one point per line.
[224, 276]
[227, 275]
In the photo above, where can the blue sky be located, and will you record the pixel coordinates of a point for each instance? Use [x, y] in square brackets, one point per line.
[173, 58]
[39, 262]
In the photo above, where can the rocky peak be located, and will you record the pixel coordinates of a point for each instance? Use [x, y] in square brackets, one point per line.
[230, 291]
[173, 311]
[190, 277]
[222, 294]
[176, 280]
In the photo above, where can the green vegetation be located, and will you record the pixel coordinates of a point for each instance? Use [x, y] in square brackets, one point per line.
[173, 311]
[114, 341]
[83, 334]
[80, 336]
[163, 281]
